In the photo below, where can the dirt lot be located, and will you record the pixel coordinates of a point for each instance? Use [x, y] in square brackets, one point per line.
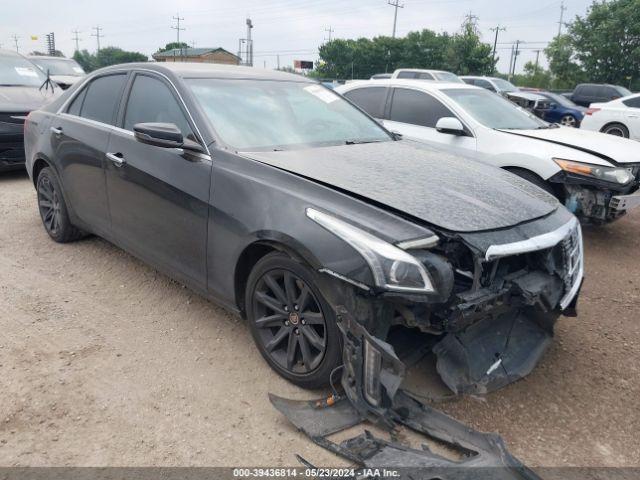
[104, 361]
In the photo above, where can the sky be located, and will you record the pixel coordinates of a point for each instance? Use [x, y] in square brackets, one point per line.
[292, 29]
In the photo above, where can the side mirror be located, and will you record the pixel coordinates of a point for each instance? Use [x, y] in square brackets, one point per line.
[165, 135]
[553, 105]
[451, 126]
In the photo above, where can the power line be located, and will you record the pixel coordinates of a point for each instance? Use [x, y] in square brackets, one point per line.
[562, 10]
[98, 35]
[396, 5]
[330, 31]
[76, 39]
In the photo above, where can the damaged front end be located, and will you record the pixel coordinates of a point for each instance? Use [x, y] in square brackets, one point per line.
[593, 199]
[372, 375]
[493, 316]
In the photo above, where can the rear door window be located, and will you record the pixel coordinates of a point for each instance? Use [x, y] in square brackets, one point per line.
[151, 101]
[76, 105]
[407, 75]
[102, 98]
[417, 108]
[370, 99]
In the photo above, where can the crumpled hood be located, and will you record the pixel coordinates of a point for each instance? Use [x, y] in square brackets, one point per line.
[620, 150]
[451, 192]
[25, 99]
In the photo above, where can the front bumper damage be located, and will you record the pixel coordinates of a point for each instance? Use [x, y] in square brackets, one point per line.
[595, 201]
[488, 326]
[371, 380]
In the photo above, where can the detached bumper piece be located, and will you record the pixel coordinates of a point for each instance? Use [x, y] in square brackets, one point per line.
[372, 374]
[622, 203]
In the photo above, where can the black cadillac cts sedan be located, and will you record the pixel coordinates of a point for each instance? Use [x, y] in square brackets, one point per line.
[279, 199]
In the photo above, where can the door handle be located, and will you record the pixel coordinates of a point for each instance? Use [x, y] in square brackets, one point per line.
[56, 131]
[116, 158]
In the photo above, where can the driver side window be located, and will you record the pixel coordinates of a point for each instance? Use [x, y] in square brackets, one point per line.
[417, 108]
[151, 101]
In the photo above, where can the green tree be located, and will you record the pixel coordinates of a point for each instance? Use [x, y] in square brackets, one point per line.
[105, 57]
[172, 46]
[85, 59]
[461, 53]
[565, 70]
[466, 54]
[607, 41]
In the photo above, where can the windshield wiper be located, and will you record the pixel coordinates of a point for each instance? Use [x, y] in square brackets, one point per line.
[360, 142]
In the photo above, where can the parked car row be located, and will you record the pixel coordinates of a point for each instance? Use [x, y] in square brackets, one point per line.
[286, 202]
[595, 176]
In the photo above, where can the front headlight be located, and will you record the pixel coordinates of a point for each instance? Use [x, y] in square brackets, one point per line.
[621, 176]
[392, 268]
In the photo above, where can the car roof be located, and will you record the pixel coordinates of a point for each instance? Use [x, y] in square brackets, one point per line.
[421, 70]
[49, 57]
[410, 82]
[210, 70]
[9, 53]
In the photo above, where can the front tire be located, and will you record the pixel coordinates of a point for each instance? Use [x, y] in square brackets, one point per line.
[616, 129]
[292, 324]
[53, 209]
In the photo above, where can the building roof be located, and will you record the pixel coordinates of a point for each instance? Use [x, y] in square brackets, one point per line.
[190, 52]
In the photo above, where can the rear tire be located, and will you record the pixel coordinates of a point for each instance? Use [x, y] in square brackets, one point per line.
[53, 209]
[617, 129]
[292, 324]
[569, 121]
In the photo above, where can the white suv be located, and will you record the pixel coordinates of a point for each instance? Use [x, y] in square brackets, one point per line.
[594, 175]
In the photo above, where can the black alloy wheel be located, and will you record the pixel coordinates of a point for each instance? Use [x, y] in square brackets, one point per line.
[292, 324]
[49, 204]
[53, 209]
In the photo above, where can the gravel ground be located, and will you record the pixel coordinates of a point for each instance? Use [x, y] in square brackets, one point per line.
[105, 362]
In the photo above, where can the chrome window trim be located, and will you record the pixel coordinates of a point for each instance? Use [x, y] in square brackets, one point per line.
[533, 244]
[133, 70]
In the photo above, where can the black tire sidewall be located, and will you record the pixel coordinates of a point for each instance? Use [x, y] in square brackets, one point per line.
[67, 231]
[333, 353]
[619, 126]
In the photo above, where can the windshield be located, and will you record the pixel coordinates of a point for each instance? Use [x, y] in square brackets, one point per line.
[559, 99]
[623, 91]
[17, 71]
[447, 77]
[504, 86]
[493, 111]
[59, 66]
[274, 115]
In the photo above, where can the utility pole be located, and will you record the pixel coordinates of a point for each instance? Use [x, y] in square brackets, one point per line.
[330, 31]
[496, 29]
[76, 39]
[177, 28]
[15, 39]
[562, 10]
[98, 29]
[537, 59]
[396, 5]
[515, 56]
[249, 43]
[510, 63]
[278, 59]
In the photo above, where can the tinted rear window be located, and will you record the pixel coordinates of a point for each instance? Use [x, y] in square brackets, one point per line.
[370, 99]
[417, 108]
[102, 98]
[407, 75]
